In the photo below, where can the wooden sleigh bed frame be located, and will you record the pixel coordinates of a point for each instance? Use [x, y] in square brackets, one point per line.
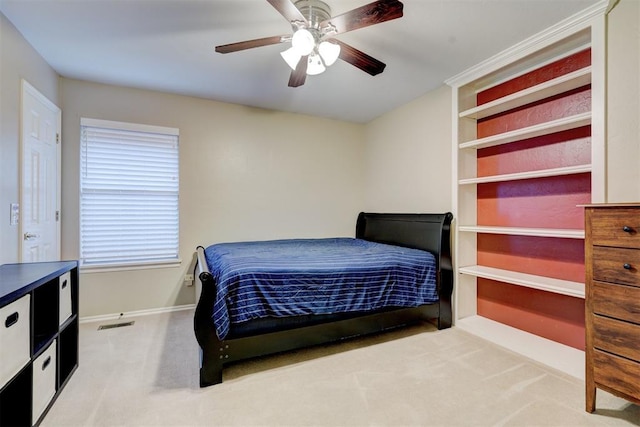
[430, 232]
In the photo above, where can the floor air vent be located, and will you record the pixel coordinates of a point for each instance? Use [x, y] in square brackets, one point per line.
[115, 325]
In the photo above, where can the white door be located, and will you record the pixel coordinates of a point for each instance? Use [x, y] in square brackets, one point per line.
[40, 177]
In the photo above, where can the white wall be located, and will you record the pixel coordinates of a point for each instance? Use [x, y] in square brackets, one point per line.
[623, 102]
[245, 173]
[18, 60]
[408, 159]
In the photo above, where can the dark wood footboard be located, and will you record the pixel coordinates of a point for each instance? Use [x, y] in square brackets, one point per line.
[431, 232]
[211, 359]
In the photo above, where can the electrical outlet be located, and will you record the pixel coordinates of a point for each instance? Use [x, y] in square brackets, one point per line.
[188, 277]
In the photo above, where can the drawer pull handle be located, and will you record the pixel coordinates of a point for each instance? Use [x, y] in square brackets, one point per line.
[627, 229]
[46, 363]
[11, 320]
[64, 284]
[626, 266]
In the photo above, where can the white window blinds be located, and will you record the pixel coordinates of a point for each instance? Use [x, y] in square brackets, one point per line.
[128, 193]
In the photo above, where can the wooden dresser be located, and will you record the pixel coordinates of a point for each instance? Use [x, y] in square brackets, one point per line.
[612, 263]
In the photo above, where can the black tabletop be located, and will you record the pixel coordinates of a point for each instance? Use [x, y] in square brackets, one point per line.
[17, 280]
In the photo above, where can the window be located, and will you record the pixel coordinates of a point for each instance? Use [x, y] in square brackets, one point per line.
[128, 194]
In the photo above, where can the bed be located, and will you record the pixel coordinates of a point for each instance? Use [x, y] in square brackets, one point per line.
[239, 315]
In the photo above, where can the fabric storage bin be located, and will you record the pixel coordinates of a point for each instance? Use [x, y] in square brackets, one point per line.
[65, 297]
[44, 380]
[15, 335]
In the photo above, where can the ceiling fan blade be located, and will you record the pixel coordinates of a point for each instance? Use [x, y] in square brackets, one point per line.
[250, 44]
[299, 75]
[359, 59]
[288, 10]
[370, 14]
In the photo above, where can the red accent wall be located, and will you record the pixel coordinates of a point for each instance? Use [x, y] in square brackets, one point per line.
[556, 317]
[558, 258]
[568, 148]
[535, 203]
[574, 102]
[556, 69]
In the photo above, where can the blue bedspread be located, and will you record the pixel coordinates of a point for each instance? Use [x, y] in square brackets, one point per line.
[315, 276]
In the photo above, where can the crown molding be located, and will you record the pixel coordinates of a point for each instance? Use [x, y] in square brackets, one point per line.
[557, 32]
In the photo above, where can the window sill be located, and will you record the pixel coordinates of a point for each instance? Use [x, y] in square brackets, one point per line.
[90, 269]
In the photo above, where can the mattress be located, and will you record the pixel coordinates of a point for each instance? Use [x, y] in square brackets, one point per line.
[299, 277]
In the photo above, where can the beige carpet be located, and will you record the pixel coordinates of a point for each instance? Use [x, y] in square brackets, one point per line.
[147, 375]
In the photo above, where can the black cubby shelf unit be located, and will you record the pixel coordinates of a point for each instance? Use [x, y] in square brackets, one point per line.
[38, 337]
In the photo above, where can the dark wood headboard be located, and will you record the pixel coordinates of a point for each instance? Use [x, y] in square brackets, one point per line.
[429, 232]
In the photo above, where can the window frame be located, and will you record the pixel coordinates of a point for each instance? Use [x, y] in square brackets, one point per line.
[135, 264]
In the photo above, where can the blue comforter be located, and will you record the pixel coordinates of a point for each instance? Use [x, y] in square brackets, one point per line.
[315, 276]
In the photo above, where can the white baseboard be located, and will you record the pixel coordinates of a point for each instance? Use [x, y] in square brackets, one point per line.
[116, 316]
[559, 356]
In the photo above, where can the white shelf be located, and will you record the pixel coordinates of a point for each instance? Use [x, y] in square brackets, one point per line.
[569, 170]
[517, 231]
[535, 93]
[548, 284]
[546, 128]
[558, 356]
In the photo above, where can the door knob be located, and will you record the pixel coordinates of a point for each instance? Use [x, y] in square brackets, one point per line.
[29, 236]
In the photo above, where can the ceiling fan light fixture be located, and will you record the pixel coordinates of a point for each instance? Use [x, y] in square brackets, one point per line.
[291, 57]
[303, 42]
[315, 65]
[313, 46]
[329, 52]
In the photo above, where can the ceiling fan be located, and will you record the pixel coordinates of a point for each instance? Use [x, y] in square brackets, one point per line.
[313, 46]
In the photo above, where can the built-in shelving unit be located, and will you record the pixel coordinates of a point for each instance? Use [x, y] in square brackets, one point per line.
[559, 45]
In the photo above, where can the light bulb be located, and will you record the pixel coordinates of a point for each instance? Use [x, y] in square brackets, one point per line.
[329, 52]
[291, 57]
[303, 42]
[315, 65]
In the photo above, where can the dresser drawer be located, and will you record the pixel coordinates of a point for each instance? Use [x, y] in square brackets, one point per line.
[619, 301]
[64, 283]
[617, 373]
[616, 265]
[15, 344]
[608, 227]
[615, 336]
[44, 380]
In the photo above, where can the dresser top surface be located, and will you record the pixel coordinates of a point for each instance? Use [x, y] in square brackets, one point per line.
[612, 205]
[18, 279]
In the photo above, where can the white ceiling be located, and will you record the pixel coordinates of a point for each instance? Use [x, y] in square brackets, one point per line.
[168, 45]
